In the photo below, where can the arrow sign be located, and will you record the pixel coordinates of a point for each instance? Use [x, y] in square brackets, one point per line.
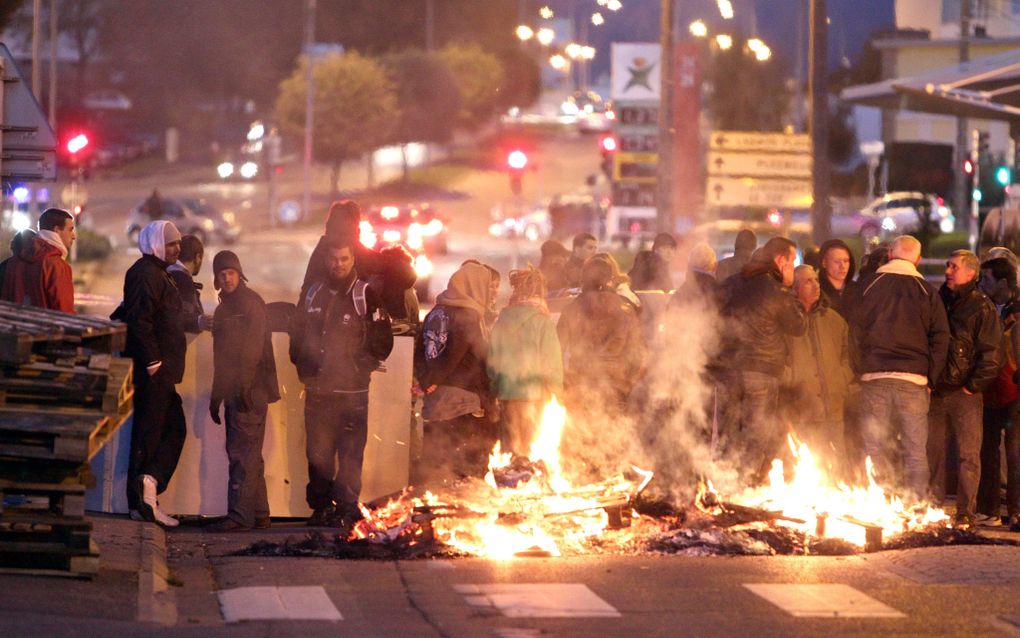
[790, 165]
[750, 141]
[746, 191]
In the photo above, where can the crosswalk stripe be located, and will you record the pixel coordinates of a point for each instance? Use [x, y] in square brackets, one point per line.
[822, 600]
[277, 603]
[538, 600]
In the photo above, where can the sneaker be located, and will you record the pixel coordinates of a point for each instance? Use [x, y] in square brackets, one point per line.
[225, 526]
[263, 523]
[149, 502]
[1014, 523]
[321, 517]
[984, 520]
[962, 521]
[343, 524]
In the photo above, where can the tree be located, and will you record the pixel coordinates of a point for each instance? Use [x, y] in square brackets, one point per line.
[479, 76]
[522, 81]
[355, 109]
[427, 96]
[747, 94]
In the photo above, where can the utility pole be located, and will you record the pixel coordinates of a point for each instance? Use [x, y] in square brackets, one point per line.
[962, 134]
[821, 170]
[36, 47]
[664, 187]
[306, 203]
[54, 35]
[430, 25]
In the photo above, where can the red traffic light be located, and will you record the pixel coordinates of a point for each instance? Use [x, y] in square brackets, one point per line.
[968, 167]
[77, 143]
[517, 160]
[608, 144]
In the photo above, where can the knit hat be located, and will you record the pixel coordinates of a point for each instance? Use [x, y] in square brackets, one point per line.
[223, 260]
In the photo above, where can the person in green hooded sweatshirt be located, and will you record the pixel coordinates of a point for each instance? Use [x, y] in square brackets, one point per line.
[525, 365]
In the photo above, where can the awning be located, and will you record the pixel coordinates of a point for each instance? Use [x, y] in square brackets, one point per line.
[986, 88]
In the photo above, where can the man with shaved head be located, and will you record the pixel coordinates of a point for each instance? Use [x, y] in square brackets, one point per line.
[899, 336]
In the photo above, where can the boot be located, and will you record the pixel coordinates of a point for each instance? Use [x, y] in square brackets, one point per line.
[149, 498]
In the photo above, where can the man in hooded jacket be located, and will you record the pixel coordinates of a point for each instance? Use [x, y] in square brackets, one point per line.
[39, 274]
[837, 275]
[450, 359]
[156, 344]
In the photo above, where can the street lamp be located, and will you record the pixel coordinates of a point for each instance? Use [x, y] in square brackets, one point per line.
[587, 52]
[724, 41]
[725, 9]
[573, 50]
[545, 36]
[558, 62]
[524, 33]
[597, 19]
[546, 13]
[614, 5]
[698, 29]
[760, 49]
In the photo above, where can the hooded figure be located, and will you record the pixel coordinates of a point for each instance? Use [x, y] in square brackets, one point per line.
[525, 363]
[38, 274]
[450, 359]
[157, 345]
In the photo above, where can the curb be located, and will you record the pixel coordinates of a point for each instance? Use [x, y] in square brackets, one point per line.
[156, 600]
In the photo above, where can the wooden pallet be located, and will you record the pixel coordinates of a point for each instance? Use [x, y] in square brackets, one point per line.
[43, 530]
[42, 387]
[56, 436]
[26, 332]
[49, 559]
[65, 500]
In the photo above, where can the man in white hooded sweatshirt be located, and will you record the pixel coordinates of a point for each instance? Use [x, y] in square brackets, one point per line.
[156, 343]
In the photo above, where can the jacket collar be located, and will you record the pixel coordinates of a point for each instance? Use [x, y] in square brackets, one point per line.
[54, 240]
[897, 266]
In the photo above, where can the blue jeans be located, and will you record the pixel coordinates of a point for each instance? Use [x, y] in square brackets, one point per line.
[246, 497]
[894, 422]
[750, 431]
[336, 426]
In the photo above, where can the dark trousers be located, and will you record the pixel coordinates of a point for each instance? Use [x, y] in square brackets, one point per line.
[520, 424]
[336, 426]
[157, 434]
[749, 431]
[894, 426]
[958, 415]
[989, 498]
[246, 492]
[457, 447]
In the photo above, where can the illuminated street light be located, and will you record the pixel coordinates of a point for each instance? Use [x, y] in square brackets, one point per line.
[545, 36]
[725, 9]
[573, 50]
[546, 13]
[698, 29]
[597, 19]
[524, 33]
[724, 41]
[614, 5]
[587, 52]
[558, 62]
[763, 53]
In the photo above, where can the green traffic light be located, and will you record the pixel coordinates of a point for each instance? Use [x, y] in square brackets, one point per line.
[976, 195]
[1002, 176]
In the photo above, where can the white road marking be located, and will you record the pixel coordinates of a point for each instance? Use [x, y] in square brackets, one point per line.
[823, 601]
[440, 564]
[538, 600]
[516, 632]
[277, 603]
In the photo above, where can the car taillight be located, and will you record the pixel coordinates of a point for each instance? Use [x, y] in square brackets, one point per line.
[391, 236]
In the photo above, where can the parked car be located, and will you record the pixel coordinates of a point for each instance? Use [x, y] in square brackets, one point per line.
[192, 217]
[533, 225]
[894, 214]
[420, 227]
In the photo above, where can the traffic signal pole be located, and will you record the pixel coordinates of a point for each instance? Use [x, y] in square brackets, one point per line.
[664, 196]
[821, 171]
[960, 152]
[975, 200]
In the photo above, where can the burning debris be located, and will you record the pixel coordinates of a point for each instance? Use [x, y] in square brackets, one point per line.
[528, 507]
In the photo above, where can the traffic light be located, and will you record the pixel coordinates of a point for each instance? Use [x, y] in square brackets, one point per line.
[968, 167]
[77, 144]
[516, 162]
[1003, 176]
[608, 145]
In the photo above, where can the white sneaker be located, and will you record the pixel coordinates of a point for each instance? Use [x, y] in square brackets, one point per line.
[149, 498]
[984, 520]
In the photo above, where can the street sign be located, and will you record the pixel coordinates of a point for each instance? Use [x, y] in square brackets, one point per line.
[27, 143]
[751, 141]
[636, 167]
[759, 164]
[747, 191]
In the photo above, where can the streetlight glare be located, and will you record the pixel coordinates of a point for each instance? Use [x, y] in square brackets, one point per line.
[587, 52]
[725, 9]
[558, 62]
[763, 53]
[573, 50]
[614, 5]
[524, 33]
[597, 19]
[546, 13]
[724, 41]
[698, 29]
[545, 36]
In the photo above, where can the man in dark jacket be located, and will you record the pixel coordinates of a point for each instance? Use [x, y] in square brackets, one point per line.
[700, 288]
[156, 344]
[898, 341]
[244, 382]
[972, 364]
[183, 272]
[340, 334]
[394, 272]
[583, 247]
[451, 353]
[837, 275]
[39, 275]
[651, 269]
[744, 246]
[759, 315]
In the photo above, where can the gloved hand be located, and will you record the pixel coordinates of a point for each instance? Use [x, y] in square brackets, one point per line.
[214, 411]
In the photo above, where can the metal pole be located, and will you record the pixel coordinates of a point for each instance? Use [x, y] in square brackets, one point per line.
[975, 204]
[36, 46]
[960, 152]
[309, 106]
[821, 171]
[664, 194]
[430, 25]
[798, 73]
[54, 35]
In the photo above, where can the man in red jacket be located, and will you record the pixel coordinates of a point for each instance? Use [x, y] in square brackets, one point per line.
[39, 275]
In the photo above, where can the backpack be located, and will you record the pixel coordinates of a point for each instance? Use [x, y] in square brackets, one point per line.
[1003, 390]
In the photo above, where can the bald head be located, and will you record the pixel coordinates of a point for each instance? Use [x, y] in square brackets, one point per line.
[905, 247]
[702, 258]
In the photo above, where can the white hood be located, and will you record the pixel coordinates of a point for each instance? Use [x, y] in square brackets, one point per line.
[155, 236]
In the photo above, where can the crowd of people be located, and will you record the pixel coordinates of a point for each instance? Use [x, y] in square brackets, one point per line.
[921, 379]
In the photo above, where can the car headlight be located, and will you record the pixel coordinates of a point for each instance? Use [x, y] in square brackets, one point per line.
[391, 236]
[225, 170]
[208, 224]
[229, 217]
[496, 230]
[249, 170]
[946, 225]
[889, 224]
[422, 266]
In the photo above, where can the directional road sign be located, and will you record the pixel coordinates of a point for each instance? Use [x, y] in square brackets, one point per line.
[759, 164]
[748, 191]
[751, 141]
[27, 143]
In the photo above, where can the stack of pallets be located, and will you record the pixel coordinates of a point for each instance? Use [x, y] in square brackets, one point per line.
[63, 394]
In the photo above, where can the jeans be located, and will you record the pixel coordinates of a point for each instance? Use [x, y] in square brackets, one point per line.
[990, 491]
[958, 415]
[336, 426]
[750, 434]
[157, 434]
[457, 447]
[246, 494]
[894, 412]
